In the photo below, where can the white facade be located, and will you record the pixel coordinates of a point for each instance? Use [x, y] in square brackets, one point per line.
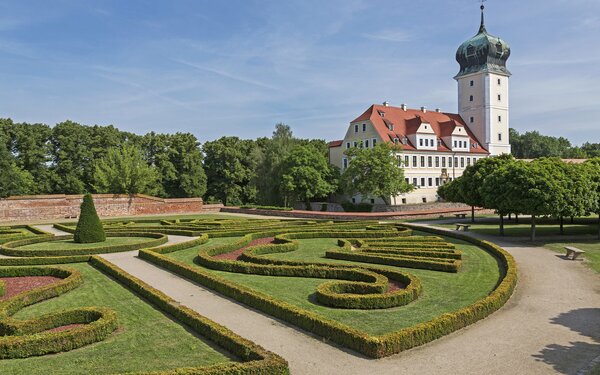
[483, 103]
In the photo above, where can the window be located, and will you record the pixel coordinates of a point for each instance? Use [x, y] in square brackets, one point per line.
[437, 161]
[455, 144]
[500, 137]
[430, 181]
[462, 162]
[403, 200]
[472, 83]
[499, 81]
[450, 162]
[430, 161]
[348, 145]
[471, 98]
[355, 144]
[472, 119]
[345, 165]
[414, 162]
[372, 201]
[424, 200]
[456, 162]
[423, 182]
[415, 181]
[437, 181]
[421, 142]
[499, 97]
[407, 180]
[468, 161]
[406, 160]
[364, 127]
[374, 142]
[353, 200]
[499, 118]
[366, 143]
[443, 162]
[422, 161]
[399, 158]
[395, 141]
[356, 128]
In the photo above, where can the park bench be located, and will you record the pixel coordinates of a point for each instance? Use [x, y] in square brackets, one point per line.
[574, 252]
[461, 216]
[464, 227]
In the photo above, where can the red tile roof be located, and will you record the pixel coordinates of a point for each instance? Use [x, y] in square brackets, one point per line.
[407, 122]
[334, 144]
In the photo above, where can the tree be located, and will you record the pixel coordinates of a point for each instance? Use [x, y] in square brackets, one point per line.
[124, 171]
[578, 190]
[592, 168]
[89, 227]
[13, 180]
[231, 170]
[531, 145]
[374, 172]
[305, 174]
[525, 188]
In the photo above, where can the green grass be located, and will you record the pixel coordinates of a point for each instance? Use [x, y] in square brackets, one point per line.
[147, 340]
[443, 292]
[591, 248]
[523, 229]
[70, 244]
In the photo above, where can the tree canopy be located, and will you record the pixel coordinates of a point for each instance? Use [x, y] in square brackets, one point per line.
[374, 172]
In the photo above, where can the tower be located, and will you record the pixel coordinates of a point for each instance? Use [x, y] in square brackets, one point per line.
[483, 96]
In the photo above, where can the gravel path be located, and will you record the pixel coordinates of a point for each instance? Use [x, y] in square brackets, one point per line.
[551, 325]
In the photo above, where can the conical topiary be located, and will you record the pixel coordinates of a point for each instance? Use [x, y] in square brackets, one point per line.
[89, 228]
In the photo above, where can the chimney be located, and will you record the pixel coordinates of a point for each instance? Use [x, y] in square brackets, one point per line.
[403, 106]
[438, 110]
[424, 109]
[386, 104]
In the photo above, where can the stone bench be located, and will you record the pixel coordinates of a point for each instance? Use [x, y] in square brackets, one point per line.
[574, 252]
[464, 227]
[461, 216]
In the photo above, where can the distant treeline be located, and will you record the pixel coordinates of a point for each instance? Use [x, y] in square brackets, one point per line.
[532, 145]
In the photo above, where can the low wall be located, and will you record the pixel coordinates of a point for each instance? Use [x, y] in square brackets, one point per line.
[40, 207]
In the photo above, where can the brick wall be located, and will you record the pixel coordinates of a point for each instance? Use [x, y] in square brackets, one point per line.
[41, 207]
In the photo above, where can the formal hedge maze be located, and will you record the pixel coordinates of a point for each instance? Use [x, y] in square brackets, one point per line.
[383, 288]
[58, 297]
[375, 288]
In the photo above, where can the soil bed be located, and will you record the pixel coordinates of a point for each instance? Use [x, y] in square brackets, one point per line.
[235, 255]
[16, 285]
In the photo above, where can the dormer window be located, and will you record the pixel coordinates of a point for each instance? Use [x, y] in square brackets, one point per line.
[395, 141]
[499, 49]
[421, 142]
[381, 113]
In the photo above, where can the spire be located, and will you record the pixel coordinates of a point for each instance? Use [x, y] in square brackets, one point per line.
[482, 26]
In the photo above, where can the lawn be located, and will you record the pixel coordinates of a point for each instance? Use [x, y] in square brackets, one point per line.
[71, 245]
[443, 292]
[544, 227]
[147, 340]
[591, 248]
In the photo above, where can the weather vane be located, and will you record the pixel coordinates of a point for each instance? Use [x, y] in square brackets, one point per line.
[482, 4]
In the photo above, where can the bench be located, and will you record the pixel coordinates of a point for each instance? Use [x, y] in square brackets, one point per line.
[574, 252]
[461, 216]
[464, 227]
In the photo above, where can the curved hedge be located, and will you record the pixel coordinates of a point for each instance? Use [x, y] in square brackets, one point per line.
[12, 248]
[26, 338]
[370, 345]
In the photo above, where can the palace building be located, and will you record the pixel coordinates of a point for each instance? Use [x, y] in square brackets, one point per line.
[438, 146]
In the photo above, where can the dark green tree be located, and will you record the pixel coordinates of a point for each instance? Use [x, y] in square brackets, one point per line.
[374, 172]
[13, 180]
[89, 227]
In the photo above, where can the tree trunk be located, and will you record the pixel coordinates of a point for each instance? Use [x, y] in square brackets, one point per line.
[562, 225]
[599, 226]
[502, 225]
[472, 214]
[572, 220]
[532, 227]
[509, 216]
[516, 218]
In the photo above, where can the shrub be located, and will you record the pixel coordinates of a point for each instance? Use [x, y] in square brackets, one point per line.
[274, 208]
[358, 207]
[89, 228]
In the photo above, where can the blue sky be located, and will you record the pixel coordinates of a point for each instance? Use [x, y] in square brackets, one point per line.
[237, 67]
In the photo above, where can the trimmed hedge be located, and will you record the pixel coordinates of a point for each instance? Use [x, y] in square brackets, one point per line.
[257, 361]
[89, 227]
[26, 338]
[372, 346]
[12, 248]
[274, 208]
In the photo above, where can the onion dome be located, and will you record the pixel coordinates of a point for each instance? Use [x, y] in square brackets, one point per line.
[483, 53]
